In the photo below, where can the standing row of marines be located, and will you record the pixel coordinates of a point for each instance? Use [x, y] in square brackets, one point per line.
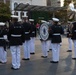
[17, 35]
[20, 34]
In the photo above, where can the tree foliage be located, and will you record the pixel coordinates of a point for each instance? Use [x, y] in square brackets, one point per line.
[4, 12]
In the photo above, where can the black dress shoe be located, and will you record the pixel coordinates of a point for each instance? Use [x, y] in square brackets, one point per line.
[0, 62]
[69, 50]
[25, 59]
[74, 58]
[32, 53]
[44, 56]
[3, 62]
[47, 51]
[53, 61]
[50, 49]
[14, 68]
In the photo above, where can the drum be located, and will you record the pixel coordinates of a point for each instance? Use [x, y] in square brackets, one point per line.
[44, 31]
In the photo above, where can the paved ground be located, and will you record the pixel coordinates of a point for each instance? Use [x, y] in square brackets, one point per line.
[40, 66]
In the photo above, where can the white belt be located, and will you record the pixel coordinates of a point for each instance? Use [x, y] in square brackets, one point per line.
[33, 32]
[16, 35]
[1, 38]
[56, 34]
[26, 32]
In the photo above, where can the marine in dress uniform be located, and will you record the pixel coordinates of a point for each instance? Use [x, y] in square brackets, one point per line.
[72, 10]
[72, 7]
[74, 38]
[44, 45]
[3, 53]
[16, 38]
[69, 37]
[32, 37]
[26, 44]
[56, 40]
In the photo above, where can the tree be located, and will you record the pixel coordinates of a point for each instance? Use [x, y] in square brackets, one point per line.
[4, 12]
